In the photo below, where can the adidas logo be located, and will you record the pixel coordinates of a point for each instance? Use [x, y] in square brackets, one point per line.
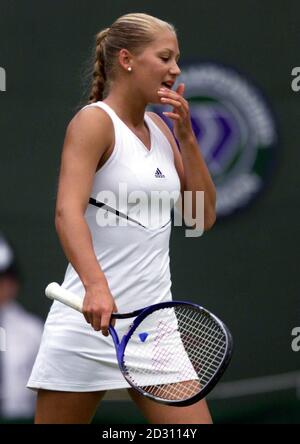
[158, 173]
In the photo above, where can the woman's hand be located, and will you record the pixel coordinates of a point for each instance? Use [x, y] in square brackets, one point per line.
[98, 306]
[180, 113]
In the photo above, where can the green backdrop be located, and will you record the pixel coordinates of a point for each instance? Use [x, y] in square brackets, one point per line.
[246, 268]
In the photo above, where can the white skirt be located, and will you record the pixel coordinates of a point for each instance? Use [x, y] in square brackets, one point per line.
[74, 357]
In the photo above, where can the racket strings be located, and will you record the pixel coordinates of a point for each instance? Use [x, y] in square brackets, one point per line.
[207, 356]
[211, 347]
[206, 345]
[174, 391]
[183, 350]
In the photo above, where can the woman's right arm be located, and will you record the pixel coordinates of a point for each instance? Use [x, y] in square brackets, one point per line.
[88, 136]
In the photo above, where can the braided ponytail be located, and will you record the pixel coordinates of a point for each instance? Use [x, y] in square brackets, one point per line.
[99, 74]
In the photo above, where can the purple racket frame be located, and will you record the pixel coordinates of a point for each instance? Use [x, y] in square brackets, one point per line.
[140, 315]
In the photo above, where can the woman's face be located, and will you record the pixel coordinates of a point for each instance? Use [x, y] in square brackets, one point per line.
[155, 65]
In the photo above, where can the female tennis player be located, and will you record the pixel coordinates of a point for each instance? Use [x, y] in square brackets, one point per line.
[115, 266]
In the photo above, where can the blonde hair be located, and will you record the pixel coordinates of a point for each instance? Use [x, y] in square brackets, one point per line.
[132, 32]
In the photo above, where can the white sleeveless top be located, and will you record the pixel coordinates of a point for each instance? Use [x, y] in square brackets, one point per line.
[134, 257]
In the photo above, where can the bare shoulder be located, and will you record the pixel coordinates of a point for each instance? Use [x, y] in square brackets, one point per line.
[88, 137]
[91, 126]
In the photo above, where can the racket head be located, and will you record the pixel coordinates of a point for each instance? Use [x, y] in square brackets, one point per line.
[175, 335]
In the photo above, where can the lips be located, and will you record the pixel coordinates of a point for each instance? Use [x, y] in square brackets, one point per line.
[168, 84]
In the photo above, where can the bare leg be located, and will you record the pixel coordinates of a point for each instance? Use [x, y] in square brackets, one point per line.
[156, 413]
[54, 407]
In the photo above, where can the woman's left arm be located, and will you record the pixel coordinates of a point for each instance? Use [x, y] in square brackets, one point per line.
[190, 164]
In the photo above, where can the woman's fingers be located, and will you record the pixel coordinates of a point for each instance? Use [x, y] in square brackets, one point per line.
[113, 320]
[86, 313]
[96, 324]
[171, 101]
[105, 320]
[97, 312]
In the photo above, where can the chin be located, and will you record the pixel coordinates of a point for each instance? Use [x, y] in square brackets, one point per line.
[154, 100]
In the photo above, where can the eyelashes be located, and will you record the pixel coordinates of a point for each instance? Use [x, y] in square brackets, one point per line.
[167, 59]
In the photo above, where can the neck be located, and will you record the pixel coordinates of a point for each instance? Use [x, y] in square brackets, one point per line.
[127, 105]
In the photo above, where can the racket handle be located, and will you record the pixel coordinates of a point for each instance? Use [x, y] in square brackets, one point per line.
[56, 292]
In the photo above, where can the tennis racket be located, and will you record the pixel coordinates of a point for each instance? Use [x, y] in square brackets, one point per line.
[173, 353]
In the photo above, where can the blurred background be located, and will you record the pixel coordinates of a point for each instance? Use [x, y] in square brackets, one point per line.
[236, 60]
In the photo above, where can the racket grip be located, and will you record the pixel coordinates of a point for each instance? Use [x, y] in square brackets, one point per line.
[56, 292]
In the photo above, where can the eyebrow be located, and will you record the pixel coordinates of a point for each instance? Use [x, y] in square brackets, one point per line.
[172, 52]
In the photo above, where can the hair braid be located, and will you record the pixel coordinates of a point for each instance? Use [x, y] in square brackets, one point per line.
[99, 74]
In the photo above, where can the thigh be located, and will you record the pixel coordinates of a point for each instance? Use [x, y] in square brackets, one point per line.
[156, 413]
[56, 407]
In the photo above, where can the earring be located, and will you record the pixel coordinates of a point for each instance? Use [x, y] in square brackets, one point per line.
[129, 68]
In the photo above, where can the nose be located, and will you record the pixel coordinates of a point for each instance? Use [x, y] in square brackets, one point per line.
[175, 70]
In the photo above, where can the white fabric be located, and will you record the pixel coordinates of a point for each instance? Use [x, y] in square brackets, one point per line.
[134, 259]
[161, 357]
[22, 338]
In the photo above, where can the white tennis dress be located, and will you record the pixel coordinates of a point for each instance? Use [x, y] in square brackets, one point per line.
[134, 258]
